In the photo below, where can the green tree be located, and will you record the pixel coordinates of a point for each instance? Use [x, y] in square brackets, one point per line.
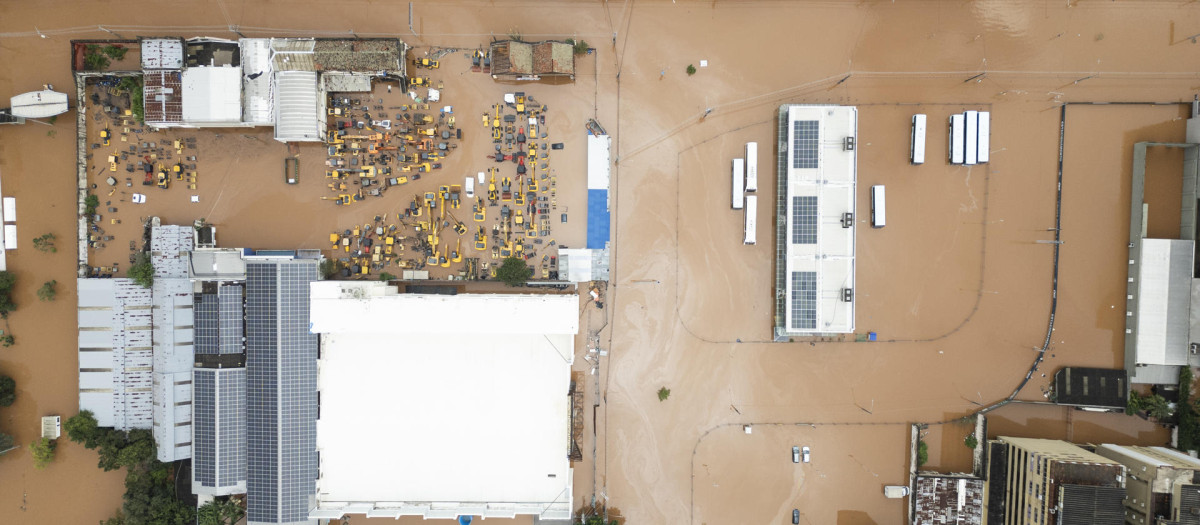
[1157, 407]
[664, 393]
[142, 271]
[7, 281]
[8, 391]
[330, 268]
[114, 52]
[387, 277]
[43, 452]
[691, 70]
[84, 429]
[47, 291]
[971, 441]
[6, 443]
[7, 340]
[514, 272]
[94, 59]
[219, 512]
[45, 243]
[922, 453]
[90, 203]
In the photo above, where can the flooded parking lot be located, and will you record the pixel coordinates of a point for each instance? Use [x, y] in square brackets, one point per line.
[958, 281]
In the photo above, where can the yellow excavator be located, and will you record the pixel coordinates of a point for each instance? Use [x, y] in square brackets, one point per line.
[456, 255]
[480, 210]
[480, 239]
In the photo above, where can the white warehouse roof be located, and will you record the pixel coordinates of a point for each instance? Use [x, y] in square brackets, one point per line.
[162, 53]
[298, 110]
[212, 95]
[470, 390]
[820, 175]
[1164, 302]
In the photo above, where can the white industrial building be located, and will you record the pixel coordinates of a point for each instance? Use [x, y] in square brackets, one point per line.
[817, 177]
[443, 405]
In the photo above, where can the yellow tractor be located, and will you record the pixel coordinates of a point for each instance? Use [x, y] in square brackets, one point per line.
[428, 63]
[106, 136]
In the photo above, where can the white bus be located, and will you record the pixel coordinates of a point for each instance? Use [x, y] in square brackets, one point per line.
[878, 207]
[972, 138]
[751, 219]
[751, 166]
[955, 141]
[739, 184]
[985, 136]
[916, 148]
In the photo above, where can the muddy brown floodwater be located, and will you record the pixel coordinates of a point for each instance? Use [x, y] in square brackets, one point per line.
[957, 285]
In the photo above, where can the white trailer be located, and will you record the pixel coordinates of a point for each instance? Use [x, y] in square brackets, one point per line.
[956, 138]
[985, 136]
[751, 166]
[972, 138]
[751, 219]
[878, 206]
[739, 183]
[916, 148]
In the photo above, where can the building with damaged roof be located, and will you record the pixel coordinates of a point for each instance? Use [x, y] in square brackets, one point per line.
[513, 59]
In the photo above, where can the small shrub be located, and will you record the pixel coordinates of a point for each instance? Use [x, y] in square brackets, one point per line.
[47, 291]
[664, 393]
[691, 70]
[387, 277]
[971, 442]
[514, 272]
[8, 391]
[114, 52]
[7, 340]
[579, 46]
[922, 453]
[43, 452]
[94, 59]
[45, 243]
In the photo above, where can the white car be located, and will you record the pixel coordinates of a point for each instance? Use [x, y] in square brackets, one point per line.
[795, 454]
[139, 198]
[806, 454]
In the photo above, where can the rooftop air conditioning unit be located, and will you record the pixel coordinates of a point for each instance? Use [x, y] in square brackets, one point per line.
[848, 144]
[848, 221]
[847, 295]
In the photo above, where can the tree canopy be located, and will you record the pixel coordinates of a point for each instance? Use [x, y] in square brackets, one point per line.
[84, 429]
[8, 391]
[514, 272]
[142, 271]
[43, 452]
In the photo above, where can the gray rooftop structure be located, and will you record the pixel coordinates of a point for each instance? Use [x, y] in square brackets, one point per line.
[945, 499]
[169, 247]
[115, 354]
[173, 320]
[281, 388]
[360, 55]
[299, 107]
[162, 53]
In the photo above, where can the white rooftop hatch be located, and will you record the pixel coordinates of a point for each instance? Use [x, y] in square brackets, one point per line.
[162, 53]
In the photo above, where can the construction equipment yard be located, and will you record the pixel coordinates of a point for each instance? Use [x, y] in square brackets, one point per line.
[406, 180]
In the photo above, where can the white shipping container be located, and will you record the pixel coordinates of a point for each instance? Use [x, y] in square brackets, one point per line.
[10, 236]
[739, 183]
[751, 166]
[916, 148]
[878, 207]
[955, 139]
[751, 219]
[10, 209]
[985, 136]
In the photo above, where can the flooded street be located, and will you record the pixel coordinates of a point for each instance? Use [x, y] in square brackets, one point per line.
[957, 286]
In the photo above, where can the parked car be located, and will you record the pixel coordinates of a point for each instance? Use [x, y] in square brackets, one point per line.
[795, 454]
[806, 454]
[795, 516]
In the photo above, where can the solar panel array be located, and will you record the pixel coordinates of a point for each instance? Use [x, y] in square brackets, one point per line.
[233, 327]
[804, 220]
[219, 427]
[207, 333]
[204, 426]
[804, 300]
[281, 362]
[805, 135]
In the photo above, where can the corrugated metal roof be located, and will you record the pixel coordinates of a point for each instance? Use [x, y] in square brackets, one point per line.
[1088, 505]
[359, 55]
[115, 353]
[297, 107]
[1164, 301]
[169, 247]
[553, 58]
[257, 89]
[38, 104]
[292, 54]
[948, 499]
[345, 82]
[212, 94]
[512, 58]
[162, 53]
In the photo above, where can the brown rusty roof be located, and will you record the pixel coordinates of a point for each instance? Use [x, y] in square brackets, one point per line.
[163, 96]
[512, 58]
[553, 58]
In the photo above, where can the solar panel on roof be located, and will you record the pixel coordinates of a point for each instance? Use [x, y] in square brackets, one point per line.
[804, 220]
[281, 386]
[805, 136]
[804, 300]
[231, 319]
[204, 427]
